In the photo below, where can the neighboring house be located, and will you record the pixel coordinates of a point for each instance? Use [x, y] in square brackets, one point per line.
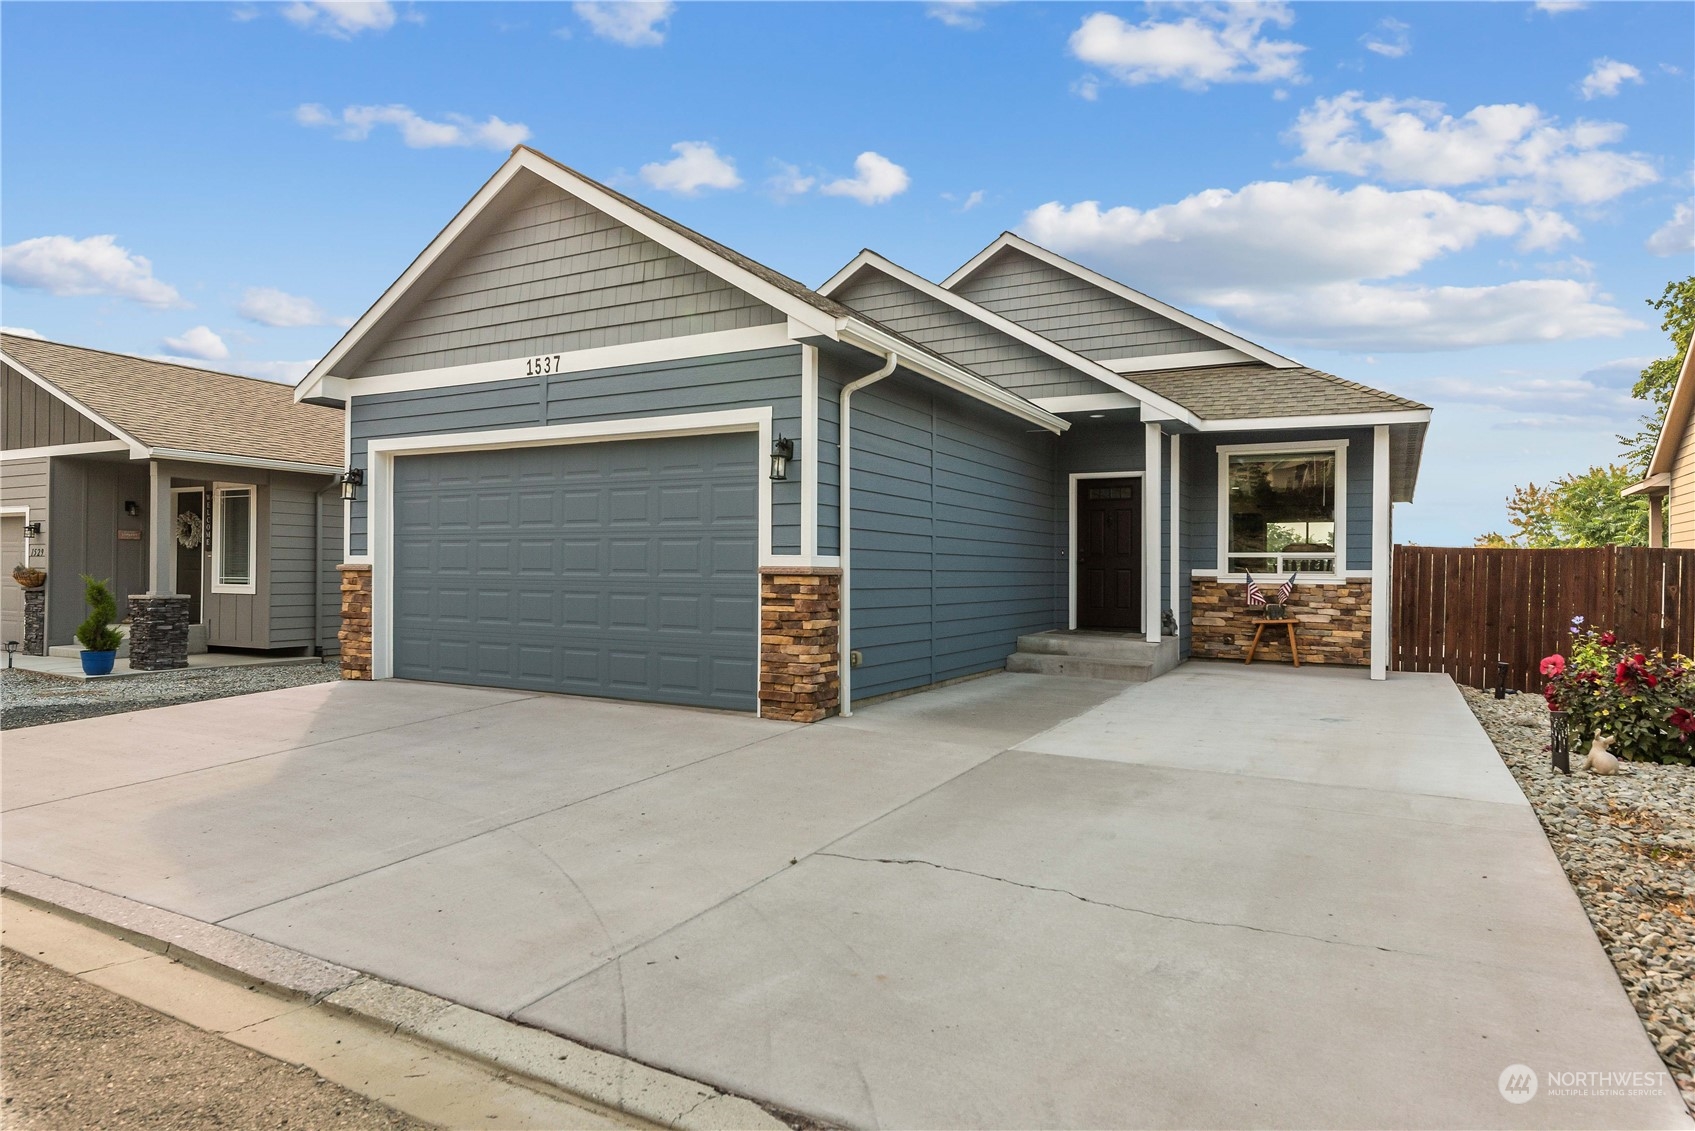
[571, 414]
[1670, 482]
[169, 479]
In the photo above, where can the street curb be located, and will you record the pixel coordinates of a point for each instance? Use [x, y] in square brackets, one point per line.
[602, 1078]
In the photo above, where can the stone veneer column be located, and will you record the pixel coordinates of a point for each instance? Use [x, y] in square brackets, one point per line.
[355, 621]
[158, 631]
[1334, 622]
[799, 622]
[35, 621]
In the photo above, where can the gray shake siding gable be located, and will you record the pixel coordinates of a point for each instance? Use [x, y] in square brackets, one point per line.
[554, 275]
[1075, 313]
[34, 418]
[755, 379]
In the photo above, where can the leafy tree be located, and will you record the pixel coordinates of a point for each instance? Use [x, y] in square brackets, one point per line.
[1676, 305]
[1576, 510]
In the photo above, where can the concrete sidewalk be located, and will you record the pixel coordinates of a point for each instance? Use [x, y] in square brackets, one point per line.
[1230, 897]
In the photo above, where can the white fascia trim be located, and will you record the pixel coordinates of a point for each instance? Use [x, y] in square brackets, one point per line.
[1322, 578]
[1153, 456]
[1087, 402]
[1678, 409]
[1094, 369]
[1332, 420]
[381, 454]
[943, 372]
[1650, 485]
[1113, 286]
[54, 391]
[183, 455]
[92, 447]
[1380, 550]
[1197, 359]
[809, 451]
[1071, 533]
[524, 159]
[1292, 447]
[573, 361]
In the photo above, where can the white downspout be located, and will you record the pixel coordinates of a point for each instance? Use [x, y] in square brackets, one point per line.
[844, 633]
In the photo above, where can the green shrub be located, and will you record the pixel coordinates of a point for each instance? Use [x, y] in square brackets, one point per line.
[96, 633]
[1645, 700]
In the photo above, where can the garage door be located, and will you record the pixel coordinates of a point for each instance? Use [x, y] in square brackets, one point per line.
[626, 569]
[11, 596]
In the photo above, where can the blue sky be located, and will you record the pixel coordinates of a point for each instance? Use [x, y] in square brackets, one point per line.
[1463, 203]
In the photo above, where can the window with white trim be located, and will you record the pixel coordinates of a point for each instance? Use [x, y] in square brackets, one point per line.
[235, 540]
[1281, 511]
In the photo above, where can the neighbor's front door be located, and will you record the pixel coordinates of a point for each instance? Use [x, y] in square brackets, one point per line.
[188, 531]
[1109, 554]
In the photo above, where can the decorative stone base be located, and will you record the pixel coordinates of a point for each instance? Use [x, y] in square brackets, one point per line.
[355, 621]
[799, 665]
[158, 632]
[1334, 628]
[35, 621]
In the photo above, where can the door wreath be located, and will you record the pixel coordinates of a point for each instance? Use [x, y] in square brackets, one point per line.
[190, 530]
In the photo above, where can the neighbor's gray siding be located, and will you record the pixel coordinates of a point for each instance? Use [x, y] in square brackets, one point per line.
[957, 335]
[31, 417]
[953, 536]
[1201, 469]
[299, 582]
[703, 384]
[1079, 315]
[329, 558]
[555, 275]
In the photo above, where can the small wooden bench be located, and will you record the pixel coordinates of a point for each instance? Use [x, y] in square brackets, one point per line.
[1259, 630]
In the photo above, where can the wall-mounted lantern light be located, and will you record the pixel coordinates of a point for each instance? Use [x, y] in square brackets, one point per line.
[32, 529]
[132, 508]
[351, 480]
[782, 452]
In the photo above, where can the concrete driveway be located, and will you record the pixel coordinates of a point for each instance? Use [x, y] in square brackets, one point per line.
[1230, 897]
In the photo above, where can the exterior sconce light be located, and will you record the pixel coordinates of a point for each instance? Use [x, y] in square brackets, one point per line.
[132, 508]
[351, 480]
[32, 529]
[782, 452]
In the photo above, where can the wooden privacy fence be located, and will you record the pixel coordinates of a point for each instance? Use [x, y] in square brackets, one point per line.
[1459, 609]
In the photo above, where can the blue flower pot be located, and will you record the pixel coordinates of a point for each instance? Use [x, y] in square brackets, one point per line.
[98, 663]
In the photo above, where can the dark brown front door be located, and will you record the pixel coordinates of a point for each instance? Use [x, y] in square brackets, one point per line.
[1109, 554]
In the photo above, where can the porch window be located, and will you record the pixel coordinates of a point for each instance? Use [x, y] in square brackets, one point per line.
[234, 540]
[1282, 511]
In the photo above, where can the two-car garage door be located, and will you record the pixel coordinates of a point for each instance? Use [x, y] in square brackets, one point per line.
[626, 569]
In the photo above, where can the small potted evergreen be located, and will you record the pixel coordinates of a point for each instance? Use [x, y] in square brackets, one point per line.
[98, 638]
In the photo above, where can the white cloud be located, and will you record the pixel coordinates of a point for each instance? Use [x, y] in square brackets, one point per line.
[788, 182]
[696, 166]
[97, 265]
[1389, 38]
[271, 307]
[284, 372]
[416, 131]
[1088, 88]
[1558, 7]
[20, 332]
[965, 14]
[1208, 43]
[972, 200]
[1597, 398]
[244, 13]
[1677, 235]
[1544, 231]
[342, 19]
[876, 179]
[634, 23]
[1605, 77]
[1306, 262]
[200, 342]
[1505, 151]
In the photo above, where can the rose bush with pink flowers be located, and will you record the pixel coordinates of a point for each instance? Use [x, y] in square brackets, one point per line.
[1646, 700]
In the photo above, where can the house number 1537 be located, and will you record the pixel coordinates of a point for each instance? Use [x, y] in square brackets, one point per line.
[536, 366]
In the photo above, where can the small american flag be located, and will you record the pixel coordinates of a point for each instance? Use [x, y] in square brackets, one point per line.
[1256, 596]
[1285, 589]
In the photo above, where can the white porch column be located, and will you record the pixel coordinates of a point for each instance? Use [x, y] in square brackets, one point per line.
[1152, 498]
[161, 542]
[1176, 529]
[1382, 546]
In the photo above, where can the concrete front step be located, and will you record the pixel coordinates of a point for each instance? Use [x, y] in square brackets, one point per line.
[1080, 667]
[1095, 646]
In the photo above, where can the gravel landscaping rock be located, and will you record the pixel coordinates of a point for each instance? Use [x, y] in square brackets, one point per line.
[1627, 843]
[30, 699]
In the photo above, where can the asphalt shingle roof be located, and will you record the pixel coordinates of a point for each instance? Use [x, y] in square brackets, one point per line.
[164, 405]
[1226, 392]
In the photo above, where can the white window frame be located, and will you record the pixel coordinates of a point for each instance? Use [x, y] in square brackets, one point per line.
[219, 585]
[1338, 448]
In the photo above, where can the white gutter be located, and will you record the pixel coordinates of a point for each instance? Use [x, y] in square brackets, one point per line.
[844, 633]
[181, 455]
